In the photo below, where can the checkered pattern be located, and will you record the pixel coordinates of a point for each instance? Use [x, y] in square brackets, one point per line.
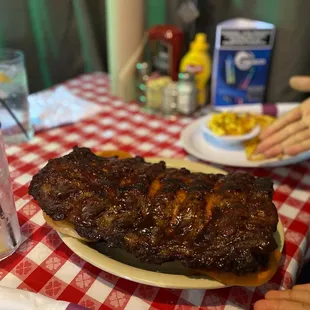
[44, 264]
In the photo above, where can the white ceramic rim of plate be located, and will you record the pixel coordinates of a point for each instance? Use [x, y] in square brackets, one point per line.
[229, 139]
[143, 276]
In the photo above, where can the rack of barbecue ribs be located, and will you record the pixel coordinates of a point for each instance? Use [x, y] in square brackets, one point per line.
[161, 214]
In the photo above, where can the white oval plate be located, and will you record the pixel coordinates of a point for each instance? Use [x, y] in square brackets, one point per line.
[169, 275]
[195, 143]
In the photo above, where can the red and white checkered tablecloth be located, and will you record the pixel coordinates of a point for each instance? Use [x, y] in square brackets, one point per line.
[44, 264]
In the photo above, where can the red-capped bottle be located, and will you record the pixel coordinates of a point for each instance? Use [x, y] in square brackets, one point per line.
[166, 43]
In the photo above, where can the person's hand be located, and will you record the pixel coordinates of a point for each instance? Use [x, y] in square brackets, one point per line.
[290, 134]
[298, 298]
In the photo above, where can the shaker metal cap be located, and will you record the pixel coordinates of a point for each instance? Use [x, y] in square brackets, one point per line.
[142, 68]
[186, 76]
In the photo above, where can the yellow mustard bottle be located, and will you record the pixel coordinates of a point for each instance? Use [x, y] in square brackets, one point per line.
[198, 62]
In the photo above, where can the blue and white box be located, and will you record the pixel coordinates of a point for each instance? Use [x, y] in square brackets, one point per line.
[241, 61]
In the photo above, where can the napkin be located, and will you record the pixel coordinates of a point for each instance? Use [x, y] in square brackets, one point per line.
[53, 108]
[14, 299]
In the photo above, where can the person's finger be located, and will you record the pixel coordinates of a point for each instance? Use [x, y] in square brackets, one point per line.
[305, 108]
[272, 140]
[298, 148]
[290, 295]
[291, 141]
[301, 83]
[306, 116]
[283, 121]
[294, 139]
[280, 136]
[273, 151]
[279, 305]
[302, 287]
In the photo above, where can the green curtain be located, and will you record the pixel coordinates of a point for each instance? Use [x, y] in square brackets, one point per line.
[155, 12]
[60, 38]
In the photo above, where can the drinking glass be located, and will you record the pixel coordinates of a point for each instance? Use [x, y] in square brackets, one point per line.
[9, 228]
[14, 107]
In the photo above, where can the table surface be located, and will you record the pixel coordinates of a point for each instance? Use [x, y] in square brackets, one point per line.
[44, 264]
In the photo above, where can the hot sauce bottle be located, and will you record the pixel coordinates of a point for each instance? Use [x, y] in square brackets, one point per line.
[166, 43]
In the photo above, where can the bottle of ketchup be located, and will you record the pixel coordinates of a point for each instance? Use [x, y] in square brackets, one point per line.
[165, 43]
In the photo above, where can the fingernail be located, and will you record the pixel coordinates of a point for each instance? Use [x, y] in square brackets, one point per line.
[267, 156]
[271, 154]
[258, 149]
[289, 152]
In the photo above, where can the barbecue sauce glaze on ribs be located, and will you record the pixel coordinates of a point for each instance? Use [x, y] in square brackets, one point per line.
[160, 214]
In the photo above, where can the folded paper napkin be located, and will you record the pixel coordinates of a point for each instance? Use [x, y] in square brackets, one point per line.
[14, 299]
[53, 108]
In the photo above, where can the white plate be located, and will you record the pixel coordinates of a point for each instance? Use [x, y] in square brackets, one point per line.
[169, 275]
[195, 143]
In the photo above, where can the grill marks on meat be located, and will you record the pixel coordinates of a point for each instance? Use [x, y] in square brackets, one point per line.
[162, 214]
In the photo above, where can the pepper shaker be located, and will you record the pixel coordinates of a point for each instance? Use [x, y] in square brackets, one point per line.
[187, 93]
[170, 99]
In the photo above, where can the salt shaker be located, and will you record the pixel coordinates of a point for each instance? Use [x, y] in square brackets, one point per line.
[187, 93]
[170, 99]
[154, 93]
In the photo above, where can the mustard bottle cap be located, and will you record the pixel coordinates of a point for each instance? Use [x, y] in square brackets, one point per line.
[200, 42]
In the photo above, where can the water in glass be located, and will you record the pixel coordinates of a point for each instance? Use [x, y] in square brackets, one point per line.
[14, 108]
